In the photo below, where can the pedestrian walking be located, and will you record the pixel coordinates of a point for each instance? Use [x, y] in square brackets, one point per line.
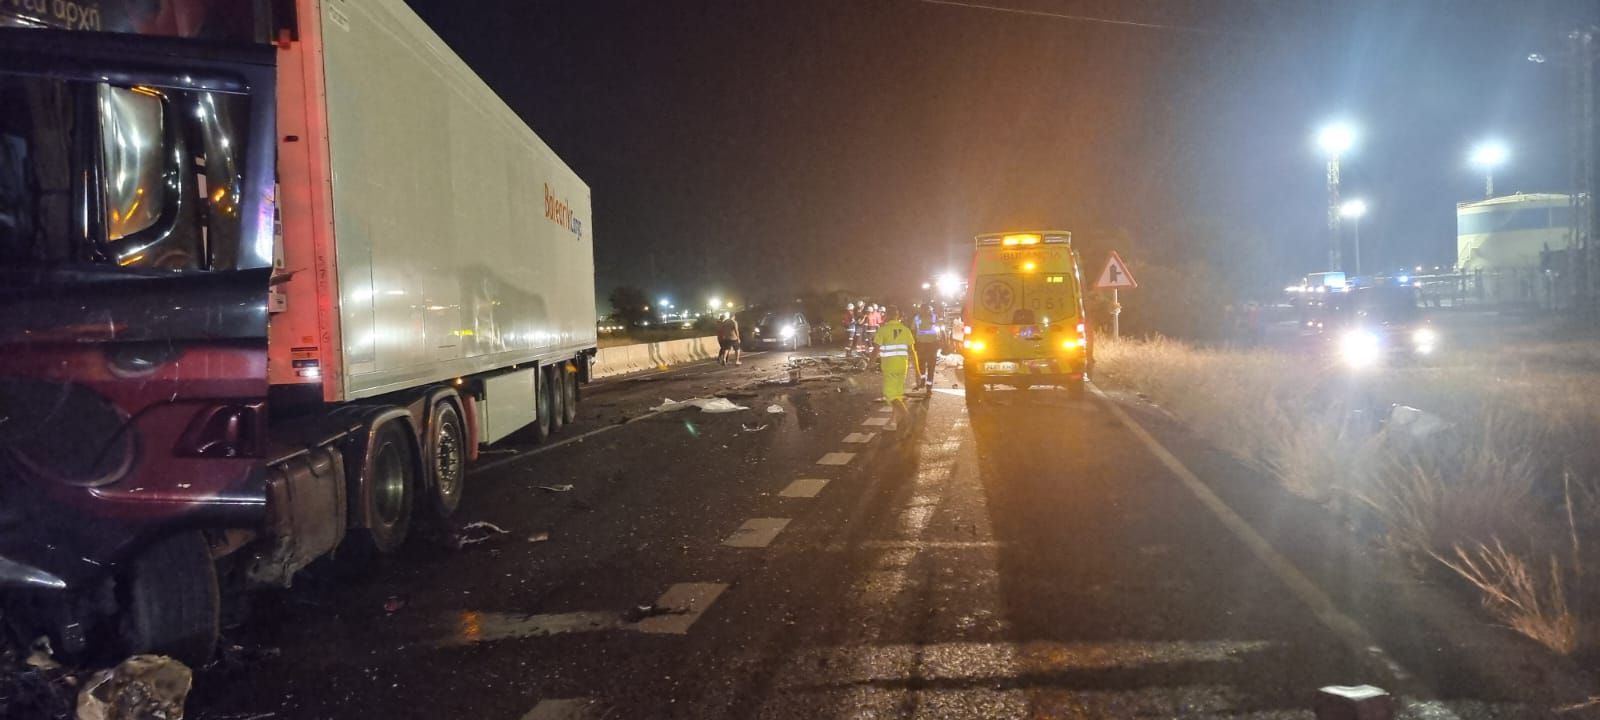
[896, 355]
[928, 332]
[728, 340]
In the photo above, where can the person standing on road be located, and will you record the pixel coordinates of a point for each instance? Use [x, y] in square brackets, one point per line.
[926, 326]
[896, 354]
[728, 340]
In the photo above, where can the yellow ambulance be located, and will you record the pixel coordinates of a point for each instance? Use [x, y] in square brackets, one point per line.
[1024, 317]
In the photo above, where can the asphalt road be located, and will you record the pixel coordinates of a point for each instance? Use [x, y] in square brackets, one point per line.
[1042, 558]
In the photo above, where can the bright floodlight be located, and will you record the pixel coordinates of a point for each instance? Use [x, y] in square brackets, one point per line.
[716, 303]
[1353, 208]
[1335, 139]
[1490, 155]
[949, 284]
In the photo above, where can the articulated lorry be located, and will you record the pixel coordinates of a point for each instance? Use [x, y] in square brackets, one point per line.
[271, 271]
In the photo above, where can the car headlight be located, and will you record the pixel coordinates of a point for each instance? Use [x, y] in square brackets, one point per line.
[787, 332]
[1358, 348]
[1425, 339]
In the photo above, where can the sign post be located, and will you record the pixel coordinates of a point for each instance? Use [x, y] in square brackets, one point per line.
[1115, 277]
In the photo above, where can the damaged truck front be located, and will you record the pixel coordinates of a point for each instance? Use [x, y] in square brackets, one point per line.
[239, 327]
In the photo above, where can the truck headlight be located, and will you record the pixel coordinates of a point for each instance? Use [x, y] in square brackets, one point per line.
[1425, 339]
[787, 332]
[1358, 348]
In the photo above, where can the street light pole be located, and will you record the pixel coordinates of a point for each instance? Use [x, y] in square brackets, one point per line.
[1334, 140]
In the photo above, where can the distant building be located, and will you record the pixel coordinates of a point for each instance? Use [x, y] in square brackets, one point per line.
[1508, 233]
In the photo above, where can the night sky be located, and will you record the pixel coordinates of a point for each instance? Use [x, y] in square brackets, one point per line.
[756, 147]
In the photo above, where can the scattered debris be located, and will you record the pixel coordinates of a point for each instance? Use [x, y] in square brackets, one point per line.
[775, 409]
[477, 532]
[556, 488]
[757, 428]
[394, 604]
[1418, 424]
[539, 537]
[710, 405]
[143, 687]
[41, 655]
[645, 610]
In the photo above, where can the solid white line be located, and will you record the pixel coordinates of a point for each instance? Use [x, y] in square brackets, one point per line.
[564, 709]
[875, 421]
[804, 488]
[1352, 633]
[684, 603]
[484, 466]
[756, 533]
[859, 437]
[492, 464]
[836, 458]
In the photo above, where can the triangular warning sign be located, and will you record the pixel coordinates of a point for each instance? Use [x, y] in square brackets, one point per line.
[1116, 275]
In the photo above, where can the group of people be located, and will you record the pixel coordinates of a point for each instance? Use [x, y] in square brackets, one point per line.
[861, 321]
[728, 340]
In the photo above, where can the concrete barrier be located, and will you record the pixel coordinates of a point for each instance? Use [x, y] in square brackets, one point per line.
[624, 359]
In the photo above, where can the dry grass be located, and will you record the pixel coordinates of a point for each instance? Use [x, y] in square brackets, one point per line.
[1526, 600]
[1522, 436]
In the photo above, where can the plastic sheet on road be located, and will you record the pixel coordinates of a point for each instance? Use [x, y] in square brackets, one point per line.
[710, 405]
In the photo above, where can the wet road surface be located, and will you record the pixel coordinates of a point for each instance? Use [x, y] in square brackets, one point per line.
[1040, 558]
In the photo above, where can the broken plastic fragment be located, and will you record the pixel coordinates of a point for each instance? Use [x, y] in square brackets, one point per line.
[775, 409]
[556, 488]
[143, 686]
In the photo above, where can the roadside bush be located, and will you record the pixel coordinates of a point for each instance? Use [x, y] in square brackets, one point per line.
[1496, 497]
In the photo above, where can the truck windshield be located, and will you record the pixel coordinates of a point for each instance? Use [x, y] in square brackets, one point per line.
[125, 177]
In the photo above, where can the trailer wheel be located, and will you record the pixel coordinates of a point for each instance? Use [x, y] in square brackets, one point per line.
[390, 472]
[445, 459]
[545, 406]
[555, 379]
[171, 602]
[569, 398]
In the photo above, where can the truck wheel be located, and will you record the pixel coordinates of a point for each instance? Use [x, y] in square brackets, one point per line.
[445, 459]
[390, 472]
[569, 398]
[1076, 390]
[171, 602]
[544, 407]
[556, 380]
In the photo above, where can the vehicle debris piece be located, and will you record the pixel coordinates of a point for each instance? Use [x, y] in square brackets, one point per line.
[143, 687]
[757, 428]
[394, 604]
[706, 404]
[41, 655]
[556, 488]
[476, 532]
[539, 537]
[775, 409]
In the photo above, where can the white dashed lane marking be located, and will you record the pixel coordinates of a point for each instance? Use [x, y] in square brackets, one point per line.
[836, 458]
[804, 488]
[564, 709]
[756, 532]
[683, 604]
[859, 437]
[875, 422]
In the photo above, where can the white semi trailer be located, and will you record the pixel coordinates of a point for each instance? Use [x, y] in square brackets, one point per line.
[271, 271]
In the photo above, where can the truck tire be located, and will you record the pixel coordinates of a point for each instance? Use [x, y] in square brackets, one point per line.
[557, 382]
[569, 398]
[1076, 389]
[545, 407]
[389, 470]
[171, 602]
[445, 458]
